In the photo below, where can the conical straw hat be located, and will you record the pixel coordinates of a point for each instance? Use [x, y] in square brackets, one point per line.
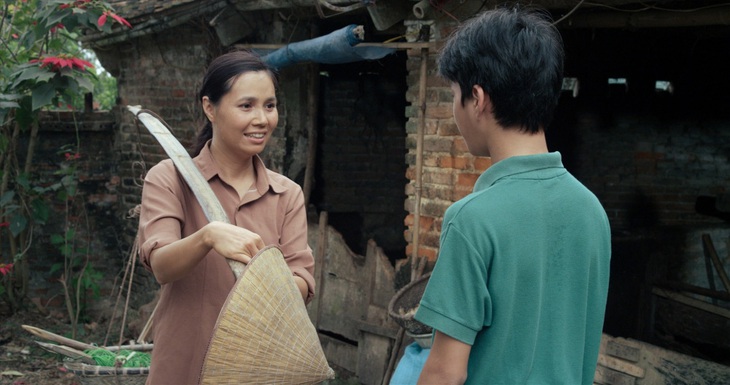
[263, 334]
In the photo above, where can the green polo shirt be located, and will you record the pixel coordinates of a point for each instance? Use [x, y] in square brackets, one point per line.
[522, 275]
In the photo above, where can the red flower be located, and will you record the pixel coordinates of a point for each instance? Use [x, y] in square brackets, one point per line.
[15, 36]
[76, 4]
[57, 27]
[119, 19]
[4, 224]
[58, 62]
[70, 156]
[5, 268]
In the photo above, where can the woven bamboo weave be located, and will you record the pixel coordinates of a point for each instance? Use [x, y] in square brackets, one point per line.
[107, 375]
[263, 334]
[402, 307]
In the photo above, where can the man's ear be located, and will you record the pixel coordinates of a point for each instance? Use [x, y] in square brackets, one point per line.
[481, 99]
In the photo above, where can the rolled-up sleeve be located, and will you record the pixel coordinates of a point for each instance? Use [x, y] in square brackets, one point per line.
[161, 212]
[293, 242]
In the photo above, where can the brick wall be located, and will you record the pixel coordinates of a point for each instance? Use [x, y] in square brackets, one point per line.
[647, 156]
[91, 213]
[360, 170]
[449, 171]
[160, 73]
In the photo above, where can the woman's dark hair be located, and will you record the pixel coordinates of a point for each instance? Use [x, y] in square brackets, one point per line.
[222, 73]
[516, 56]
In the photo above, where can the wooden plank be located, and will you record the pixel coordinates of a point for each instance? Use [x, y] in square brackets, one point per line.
[620, 366]
[372, 362]
[339, 353]
[606, 376]
[378, 330]
[621, 350]
[708, 307]
[315, 308]
[681, 286]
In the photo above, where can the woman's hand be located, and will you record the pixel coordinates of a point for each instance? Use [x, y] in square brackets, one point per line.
[233, 242]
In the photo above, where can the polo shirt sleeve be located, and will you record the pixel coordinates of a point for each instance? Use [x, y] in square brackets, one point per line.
[456, 301]
[161, 212]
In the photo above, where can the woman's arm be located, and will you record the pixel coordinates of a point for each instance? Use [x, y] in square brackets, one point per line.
[293, 240]
[176, 260]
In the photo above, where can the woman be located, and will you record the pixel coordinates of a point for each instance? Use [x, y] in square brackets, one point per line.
[186, 253]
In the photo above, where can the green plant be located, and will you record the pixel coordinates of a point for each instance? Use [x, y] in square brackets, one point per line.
[40, 68]
[77, 276]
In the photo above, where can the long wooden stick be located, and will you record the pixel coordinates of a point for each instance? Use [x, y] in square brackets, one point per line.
[56, 338]
[710, 248]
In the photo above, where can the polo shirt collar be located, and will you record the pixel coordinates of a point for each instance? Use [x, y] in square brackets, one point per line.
[519, 165]
[209, 168]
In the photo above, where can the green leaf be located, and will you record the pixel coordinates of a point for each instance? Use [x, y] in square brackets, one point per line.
[43, 95]
[9, 105]
[24, 115]
[85, 83]
[41, 211]
[56, 18]
[23, 180]
[7, 198]
[32, 72]
[57, 239]
[18, 223]
[10, 97]
[55, 267]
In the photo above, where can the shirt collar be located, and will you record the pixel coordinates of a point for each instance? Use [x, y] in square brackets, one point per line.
[516, 165]
[209, 168]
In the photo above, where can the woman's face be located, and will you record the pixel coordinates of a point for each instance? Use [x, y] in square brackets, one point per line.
[245, 117]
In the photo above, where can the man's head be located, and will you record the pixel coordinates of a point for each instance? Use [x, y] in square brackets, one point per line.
[515, 56]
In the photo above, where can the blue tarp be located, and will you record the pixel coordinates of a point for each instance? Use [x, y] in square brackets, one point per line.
[337, 47]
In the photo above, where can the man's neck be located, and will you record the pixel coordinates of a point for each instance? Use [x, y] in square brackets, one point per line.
[514, 142]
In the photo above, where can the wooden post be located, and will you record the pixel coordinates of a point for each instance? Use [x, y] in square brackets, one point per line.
[319, 263]
[312, 114]
[419, 161]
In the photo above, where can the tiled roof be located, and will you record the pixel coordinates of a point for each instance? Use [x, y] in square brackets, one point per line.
[131, 9]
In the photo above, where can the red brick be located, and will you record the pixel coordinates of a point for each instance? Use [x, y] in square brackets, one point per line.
[482, 163]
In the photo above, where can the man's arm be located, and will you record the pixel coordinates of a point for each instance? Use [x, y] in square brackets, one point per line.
[446, 363]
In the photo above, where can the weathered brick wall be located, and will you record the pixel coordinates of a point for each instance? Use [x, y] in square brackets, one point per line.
[649, 171]
[647, 165]
[449, 170]
[91, 213]
[361, 174]
[159, 73]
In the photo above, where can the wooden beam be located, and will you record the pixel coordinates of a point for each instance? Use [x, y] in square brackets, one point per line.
[401, 45]
[648, 19]
[702, 305]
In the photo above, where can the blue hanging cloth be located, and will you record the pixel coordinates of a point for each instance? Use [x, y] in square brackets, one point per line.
[336, 47]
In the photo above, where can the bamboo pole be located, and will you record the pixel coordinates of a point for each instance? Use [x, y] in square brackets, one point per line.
[419, 162]
[312, 102]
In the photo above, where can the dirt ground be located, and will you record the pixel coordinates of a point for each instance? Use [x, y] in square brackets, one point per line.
[24, 362]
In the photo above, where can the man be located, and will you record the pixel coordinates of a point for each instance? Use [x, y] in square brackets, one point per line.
[518, 293]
